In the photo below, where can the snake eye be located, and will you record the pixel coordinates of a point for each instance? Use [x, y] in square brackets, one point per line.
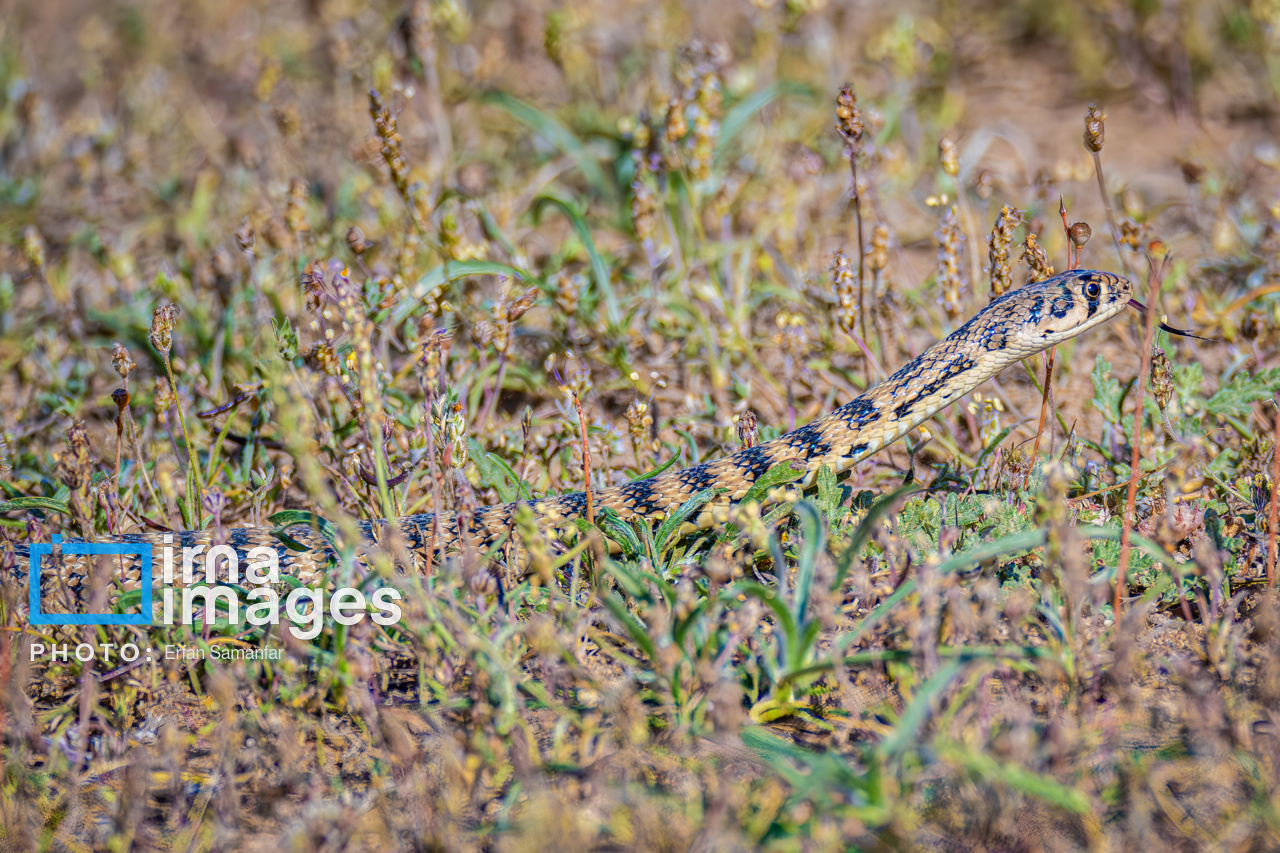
[1092, 290]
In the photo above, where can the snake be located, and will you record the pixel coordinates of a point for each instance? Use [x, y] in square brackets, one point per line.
[1012, 327]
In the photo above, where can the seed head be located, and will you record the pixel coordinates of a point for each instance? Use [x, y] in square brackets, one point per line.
[1080, 233]
[639, 425]
[676, 126]
[245, 237]
[848, 115]
[950, 279]
[162, 322]
[745, 427]
[121, 361]
[948, 156]
[845, 285]
[567, 289]
[162, 398]
[33, 246]
[1036, 257]
[356, 241]
[295, 211]
[644, 209]
[998, 249]
[878, 256]
[1161, 377]
[1095, 129]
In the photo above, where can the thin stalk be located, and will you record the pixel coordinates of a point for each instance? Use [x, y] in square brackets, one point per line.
[1154, 278]
[1044, 403]
[1271, 516]
[1111, 214]
[586, 459]
[193, 460]
[494, 392]
[856, 197]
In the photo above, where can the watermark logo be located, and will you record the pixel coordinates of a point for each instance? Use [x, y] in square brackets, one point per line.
[183, 593]
[88, 549]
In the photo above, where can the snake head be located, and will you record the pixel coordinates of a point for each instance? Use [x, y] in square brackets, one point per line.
[1051, 311]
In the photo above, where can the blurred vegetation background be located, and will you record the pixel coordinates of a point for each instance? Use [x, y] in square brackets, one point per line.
[445, 254]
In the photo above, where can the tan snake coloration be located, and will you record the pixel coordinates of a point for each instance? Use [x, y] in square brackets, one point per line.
[1017, 325]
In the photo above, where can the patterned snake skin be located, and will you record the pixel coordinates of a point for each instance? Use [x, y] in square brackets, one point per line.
[1019, 324]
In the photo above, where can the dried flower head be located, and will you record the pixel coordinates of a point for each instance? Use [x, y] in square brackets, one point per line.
[162, 322]
[878, 255]
[295, 211]
[746, 429]
[33, 246]
[1095, 129]
[1161, 378]
[845, 284]
[245, 237]
[1130, 233]
[848, 115]
[639, 427]
[948, 156]
[356, 241]
[568, 289]
[391, 145]
[676, 125]
[162, 397]
[998, 249]
[950, 279]
[1080, 232]
[1036, 257]
[644, 209]
[121, 361]
[449, 427]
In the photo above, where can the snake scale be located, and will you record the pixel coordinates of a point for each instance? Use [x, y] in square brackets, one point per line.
[1012, 327]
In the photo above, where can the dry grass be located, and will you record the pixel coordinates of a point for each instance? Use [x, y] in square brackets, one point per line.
[563, 246]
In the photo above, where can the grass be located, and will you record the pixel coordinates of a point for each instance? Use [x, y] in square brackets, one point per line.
[561, 248]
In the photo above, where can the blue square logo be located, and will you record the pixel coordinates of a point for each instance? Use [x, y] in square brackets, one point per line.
[141, 550]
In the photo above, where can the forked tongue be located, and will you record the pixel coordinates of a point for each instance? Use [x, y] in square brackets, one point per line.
[1166, 327]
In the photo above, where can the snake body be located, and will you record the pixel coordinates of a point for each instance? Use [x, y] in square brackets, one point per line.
[1012, 327]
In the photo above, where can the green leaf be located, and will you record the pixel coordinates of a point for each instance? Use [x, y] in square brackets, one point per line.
[613, 527]
[599, 269]
[907, 732]
[831, 495]
[656, 471]
[48, 504]
[289, 517]
[737, 117]
[521, 486]
[671, 524]
[779, 475]
[813, 538]
[639, 633]
[452, 271]
[1236, 398]
[550, 129]
[492, 474]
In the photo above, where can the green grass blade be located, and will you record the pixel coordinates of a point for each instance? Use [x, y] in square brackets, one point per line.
[550, 129]
[599, 269]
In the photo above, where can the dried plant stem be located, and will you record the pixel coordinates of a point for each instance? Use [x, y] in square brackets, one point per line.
[967, 220]
[1154, 278]
[494, 392]
[856, 197]
[1271, 516]
[1111, 214]
[586, 459]
[1044, 403]
[1066, 231]
[193, 459]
